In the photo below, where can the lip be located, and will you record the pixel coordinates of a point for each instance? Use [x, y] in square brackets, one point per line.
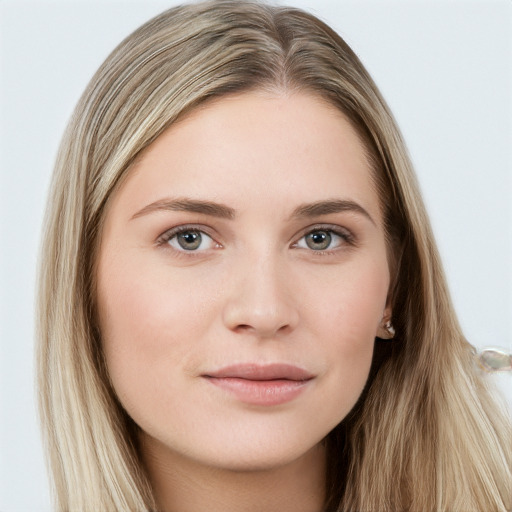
[263, 385]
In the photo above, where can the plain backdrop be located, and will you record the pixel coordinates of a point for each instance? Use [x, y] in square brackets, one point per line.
[445, 67]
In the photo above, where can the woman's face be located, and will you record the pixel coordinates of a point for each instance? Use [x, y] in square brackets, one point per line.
[242, 279]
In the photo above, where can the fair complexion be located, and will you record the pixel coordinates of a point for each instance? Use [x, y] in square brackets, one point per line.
[242, 279]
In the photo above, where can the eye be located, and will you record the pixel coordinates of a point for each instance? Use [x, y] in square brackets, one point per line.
[318, 240]
[323, 240]
[188, 239]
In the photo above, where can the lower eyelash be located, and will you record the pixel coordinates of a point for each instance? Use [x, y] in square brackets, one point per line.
[343, 234]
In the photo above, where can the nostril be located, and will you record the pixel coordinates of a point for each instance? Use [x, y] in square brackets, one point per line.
[264, 331]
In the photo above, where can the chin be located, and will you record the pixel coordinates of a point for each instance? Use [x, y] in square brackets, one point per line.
[260, 455]
[245, 463]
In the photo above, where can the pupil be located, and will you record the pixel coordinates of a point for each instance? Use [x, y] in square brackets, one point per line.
[189, 240]
[319, 240]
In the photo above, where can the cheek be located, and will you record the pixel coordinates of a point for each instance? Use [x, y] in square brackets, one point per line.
[346, 316]
[150, 325]
[351, 301]
[157, 325]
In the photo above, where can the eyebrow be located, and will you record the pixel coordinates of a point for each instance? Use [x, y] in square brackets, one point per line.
[330, 206]
[188, 205]
[307, 210]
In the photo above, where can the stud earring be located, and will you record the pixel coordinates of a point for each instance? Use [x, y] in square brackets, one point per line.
[389, 330]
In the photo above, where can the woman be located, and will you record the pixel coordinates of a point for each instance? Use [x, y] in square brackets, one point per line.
[241, 302]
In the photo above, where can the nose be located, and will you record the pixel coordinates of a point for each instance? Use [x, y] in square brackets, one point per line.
[261, 301]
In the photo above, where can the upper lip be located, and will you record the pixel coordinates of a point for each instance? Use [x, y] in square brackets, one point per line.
[253, 371]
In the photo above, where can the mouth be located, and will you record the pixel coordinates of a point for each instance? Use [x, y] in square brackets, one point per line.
[263, 385]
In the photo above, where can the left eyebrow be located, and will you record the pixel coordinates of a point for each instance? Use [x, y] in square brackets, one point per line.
[327, 207]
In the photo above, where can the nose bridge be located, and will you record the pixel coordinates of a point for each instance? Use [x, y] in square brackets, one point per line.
[260, 298]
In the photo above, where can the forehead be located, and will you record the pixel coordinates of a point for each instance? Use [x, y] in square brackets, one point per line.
[257, 147]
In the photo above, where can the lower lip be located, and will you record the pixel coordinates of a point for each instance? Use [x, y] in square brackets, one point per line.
[261, 392]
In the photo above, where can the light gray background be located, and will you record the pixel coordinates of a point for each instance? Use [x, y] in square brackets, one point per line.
[445, 68]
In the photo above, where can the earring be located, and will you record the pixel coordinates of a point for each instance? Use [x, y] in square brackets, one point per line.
[389, 330]
[495, 360]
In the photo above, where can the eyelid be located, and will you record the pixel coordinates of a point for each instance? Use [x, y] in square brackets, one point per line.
[167, 235]
[341, 231]
[338, 230]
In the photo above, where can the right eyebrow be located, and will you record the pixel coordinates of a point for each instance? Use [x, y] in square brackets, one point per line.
[186, 204]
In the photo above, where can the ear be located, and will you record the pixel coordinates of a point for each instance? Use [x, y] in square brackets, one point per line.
[385, 330]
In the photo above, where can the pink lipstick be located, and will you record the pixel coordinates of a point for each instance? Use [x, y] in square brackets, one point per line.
[264, 385]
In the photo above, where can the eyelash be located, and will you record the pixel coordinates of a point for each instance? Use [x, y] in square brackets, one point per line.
[347, 237]
[171, 233]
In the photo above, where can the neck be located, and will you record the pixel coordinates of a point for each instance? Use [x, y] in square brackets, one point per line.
[184, 485]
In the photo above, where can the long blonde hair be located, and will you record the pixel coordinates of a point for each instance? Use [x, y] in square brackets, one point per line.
[425, 434]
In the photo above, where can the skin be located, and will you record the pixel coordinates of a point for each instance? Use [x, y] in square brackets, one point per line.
[253, 291]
